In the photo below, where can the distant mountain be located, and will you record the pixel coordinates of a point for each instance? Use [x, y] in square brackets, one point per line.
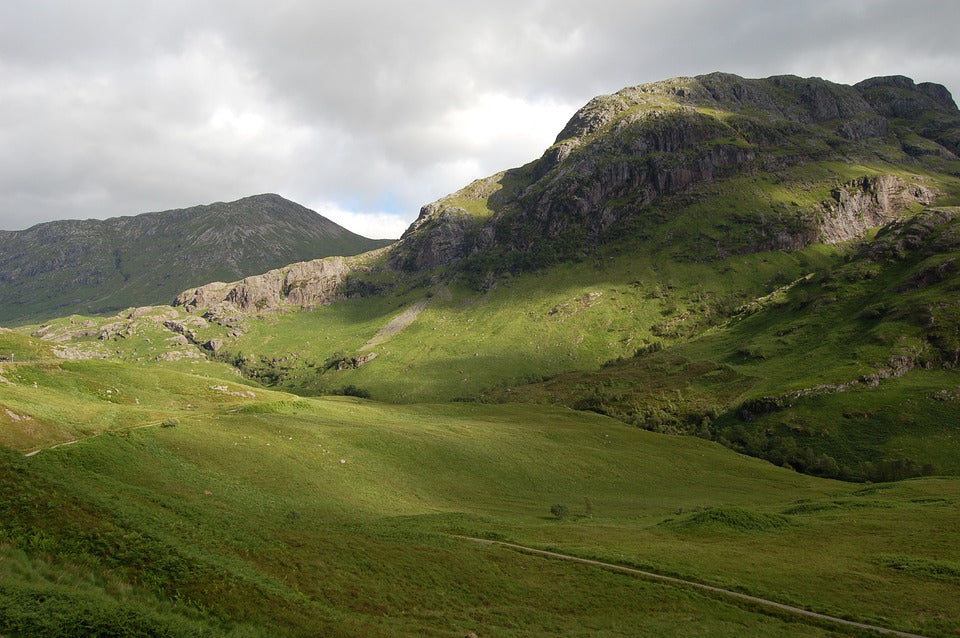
[94, 266]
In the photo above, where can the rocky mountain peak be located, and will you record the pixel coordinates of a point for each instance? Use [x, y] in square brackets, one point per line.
[804, 100]
[899, 96]
[639, 159]
[622, 153]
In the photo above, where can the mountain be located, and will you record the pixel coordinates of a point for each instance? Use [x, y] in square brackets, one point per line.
[95, 266]
[714, 256]
[704, 167]
[632, 163]
[710, 166]
[580, 354]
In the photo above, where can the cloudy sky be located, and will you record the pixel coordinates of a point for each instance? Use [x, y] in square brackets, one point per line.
[365, 110]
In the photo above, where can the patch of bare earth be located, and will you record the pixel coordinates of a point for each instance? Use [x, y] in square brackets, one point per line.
[396, 324]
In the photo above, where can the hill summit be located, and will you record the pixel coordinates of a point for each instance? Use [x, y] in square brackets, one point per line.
[93, 266]
[621, 160]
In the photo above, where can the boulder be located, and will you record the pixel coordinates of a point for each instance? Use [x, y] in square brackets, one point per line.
[213, 345]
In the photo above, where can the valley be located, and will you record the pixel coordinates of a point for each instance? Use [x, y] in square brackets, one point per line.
[325, 511]
[711, 334]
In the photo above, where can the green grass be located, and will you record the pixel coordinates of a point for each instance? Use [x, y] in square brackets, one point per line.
[247, 499]
[334, 514]
[821, 335]
[574, 316]
[52, 402]
[194, 501]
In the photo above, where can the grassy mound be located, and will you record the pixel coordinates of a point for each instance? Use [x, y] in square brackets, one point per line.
[731, 519]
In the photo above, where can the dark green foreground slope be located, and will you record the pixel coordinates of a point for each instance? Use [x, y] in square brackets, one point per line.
[251, 513]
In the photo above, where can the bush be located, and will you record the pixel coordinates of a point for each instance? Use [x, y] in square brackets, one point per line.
[559, 511]
[172, 422]
[353, 391]
[650, 348]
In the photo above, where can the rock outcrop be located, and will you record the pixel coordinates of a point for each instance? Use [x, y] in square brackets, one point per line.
[438, 236]
[899, 96]
[866, 203]
[930, 231]
[925, 109]
[297, 287]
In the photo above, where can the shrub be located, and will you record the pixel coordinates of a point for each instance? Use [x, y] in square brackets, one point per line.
[172, 422]
[559, 511]
[353, 391]
[650, 348]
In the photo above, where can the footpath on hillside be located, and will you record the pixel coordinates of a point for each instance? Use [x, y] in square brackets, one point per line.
[690, 583]
[84, 438]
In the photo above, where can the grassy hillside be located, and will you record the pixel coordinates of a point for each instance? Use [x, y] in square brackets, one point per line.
[847, 372]
[458, 343]
[279, 515]
[836, 360]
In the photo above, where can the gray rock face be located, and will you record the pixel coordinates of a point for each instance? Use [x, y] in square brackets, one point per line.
[296, 287]
[648, 159]
[593, 117]
[439, 236]
[788, 97]
[899, 96]
[939, 94]
[214, 345]
[925, 109]
[866, 203]
[899, 239]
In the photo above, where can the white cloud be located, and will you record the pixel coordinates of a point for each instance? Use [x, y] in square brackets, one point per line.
[497, 120]
[372, 225]
[373, 107]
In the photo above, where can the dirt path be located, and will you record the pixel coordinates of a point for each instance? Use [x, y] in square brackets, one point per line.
[84, 438]
[396, 324]
[689, 583]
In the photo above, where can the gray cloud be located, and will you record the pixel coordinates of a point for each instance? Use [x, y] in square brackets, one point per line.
[366, 110]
